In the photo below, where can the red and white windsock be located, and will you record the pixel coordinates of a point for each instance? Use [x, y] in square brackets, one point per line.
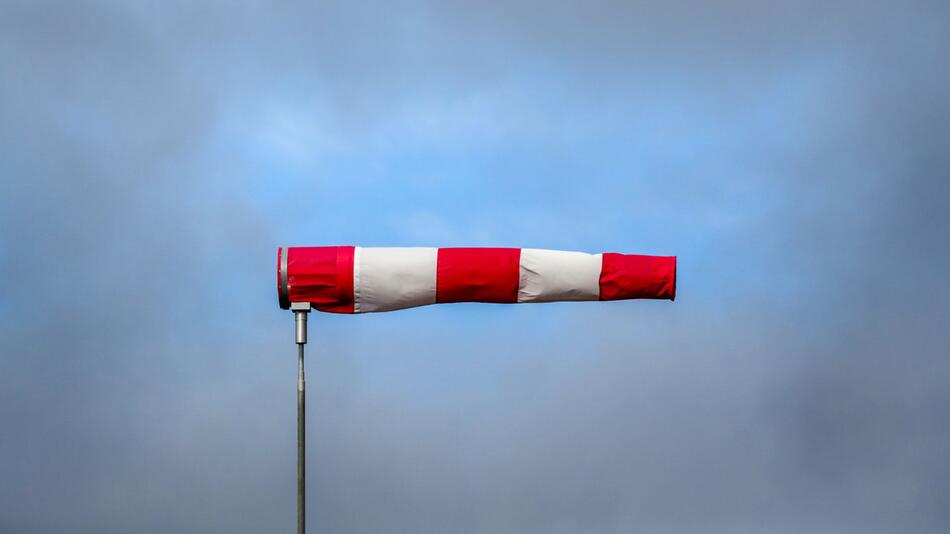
[367, 279]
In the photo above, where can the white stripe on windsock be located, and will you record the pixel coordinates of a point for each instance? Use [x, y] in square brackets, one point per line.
[393, 278]
[552, 275]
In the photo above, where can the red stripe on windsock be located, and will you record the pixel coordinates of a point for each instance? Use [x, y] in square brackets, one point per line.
[632, 276]
[477, 274]
[322, 276]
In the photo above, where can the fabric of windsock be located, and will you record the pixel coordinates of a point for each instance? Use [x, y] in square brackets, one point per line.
[348, 279]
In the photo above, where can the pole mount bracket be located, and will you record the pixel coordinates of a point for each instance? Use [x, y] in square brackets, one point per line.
[300, 309]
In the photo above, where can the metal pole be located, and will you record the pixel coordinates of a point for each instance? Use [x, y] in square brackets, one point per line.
[300, 319]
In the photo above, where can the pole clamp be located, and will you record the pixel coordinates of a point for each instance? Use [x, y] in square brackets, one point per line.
[301, 309]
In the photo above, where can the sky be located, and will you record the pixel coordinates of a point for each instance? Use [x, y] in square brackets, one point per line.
[795, 156]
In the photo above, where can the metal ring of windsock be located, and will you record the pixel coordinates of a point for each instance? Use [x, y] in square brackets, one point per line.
[367, 279]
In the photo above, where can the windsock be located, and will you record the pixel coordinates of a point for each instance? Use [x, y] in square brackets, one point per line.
[369, 279]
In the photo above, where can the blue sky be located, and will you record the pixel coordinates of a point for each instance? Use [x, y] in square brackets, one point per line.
[153, 158]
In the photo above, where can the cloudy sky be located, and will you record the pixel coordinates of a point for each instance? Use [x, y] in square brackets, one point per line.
[795, 156]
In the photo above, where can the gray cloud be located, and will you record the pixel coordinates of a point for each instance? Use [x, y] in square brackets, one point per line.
[795, 157]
